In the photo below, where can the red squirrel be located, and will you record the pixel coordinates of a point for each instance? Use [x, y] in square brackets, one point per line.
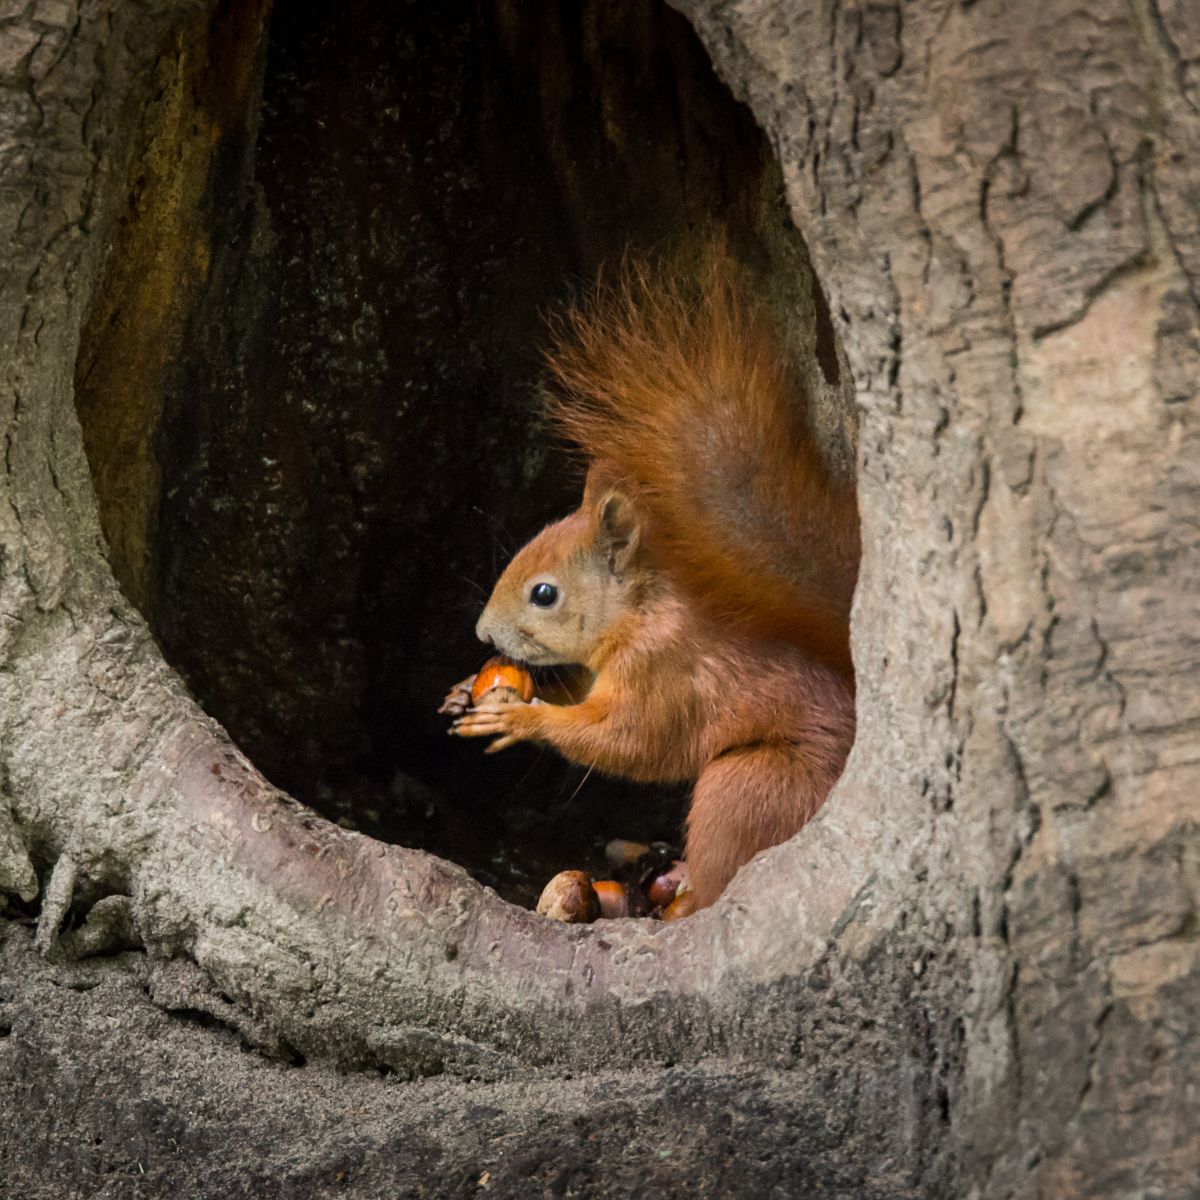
[705, 580]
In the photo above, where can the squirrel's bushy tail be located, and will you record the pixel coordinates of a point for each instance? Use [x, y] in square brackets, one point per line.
[677, 388]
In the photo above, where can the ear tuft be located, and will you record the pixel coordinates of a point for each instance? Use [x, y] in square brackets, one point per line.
[617, 530]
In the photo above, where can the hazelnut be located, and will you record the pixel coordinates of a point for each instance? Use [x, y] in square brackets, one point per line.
[662, 887]
[570, 897]
[621, 852]
[500, 679]
[614, 899]
[682, 906]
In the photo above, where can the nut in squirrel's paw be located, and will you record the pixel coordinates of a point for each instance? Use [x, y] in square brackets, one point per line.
[502, 681]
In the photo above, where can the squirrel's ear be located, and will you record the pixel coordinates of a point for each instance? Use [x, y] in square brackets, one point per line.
[616, 531]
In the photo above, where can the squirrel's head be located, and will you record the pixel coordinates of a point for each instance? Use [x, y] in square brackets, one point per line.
[562, 592]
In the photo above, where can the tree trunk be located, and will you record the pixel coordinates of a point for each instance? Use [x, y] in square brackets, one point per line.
[974, 973]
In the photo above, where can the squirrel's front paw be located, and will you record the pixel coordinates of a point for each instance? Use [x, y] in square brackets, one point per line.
[507, 722]
[458, 698]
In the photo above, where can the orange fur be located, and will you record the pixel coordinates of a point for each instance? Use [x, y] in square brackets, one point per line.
[681, 392]
[714, 619]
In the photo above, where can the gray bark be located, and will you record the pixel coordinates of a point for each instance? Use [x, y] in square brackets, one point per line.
[982, 956]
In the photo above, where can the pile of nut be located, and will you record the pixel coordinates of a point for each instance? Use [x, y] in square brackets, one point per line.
[649, 882]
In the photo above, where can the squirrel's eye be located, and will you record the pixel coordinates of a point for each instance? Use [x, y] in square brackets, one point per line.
[543, 595]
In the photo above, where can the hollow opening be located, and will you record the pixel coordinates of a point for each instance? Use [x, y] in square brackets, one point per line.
[308, 385]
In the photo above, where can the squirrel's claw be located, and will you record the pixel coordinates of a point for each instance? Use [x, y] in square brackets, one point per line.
[458, 698]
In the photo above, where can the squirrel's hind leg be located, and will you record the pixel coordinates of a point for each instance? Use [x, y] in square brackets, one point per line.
[749, 798]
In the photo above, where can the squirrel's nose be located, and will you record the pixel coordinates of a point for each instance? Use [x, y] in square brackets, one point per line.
[481, 630]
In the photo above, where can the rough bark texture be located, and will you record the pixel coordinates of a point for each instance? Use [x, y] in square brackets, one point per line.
[975, 973]
[1001, 202]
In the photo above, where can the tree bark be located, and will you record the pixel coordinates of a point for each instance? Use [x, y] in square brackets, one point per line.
[1001, 204]
[982, 956]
